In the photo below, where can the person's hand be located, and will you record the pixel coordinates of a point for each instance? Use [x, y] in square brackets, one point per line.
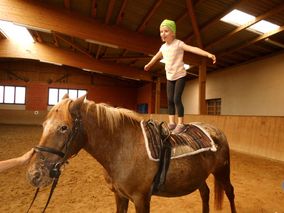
[147, 67]
[213, 57]
[25, 158]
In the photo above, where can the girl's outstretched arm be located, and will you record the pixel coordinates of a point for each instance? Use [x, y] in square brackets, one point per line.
[7, 164]
[155, 58]
[199, 51]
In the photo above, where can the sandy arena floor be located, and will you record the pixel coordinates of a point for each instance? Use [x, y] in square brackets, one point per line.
[259, 183]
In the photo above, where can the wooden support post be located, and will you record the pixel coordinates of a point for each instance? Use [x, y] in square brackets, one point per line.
[158, 95]
[202, 88]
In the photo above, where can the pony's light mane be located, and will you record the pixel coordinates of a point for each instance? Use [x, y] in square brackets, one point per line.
[62, 107]
[111, 116]
[105, 115]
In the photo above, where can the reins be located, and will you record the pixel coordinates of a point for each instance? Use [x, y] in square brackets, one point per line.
[55, 171]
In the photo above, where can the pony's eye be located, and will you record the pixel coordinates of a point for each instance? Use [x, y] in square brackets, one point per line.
[63, 129]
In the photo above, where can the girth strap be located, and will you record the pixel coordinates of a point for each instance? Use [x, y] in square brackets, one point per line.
[165, 157]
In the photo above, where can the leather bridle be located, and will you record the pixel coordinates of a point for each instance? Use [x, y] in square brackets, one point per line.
[55, 172]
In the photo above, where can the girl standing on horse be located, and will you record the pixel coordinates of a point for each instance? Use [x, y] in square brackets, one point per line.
[172, 52]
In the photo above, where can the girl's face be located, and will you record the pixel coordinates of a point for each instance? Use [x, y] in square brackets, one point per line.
[166, 34]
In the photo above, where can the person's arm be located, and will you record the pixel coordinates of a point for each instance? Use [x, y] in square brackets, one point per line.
[7, 164]
[199, 51]
[155, 58]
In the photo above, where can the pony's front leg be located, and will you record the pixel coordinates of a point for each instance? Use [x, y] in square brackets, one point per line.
[121, 203]
[142, 203]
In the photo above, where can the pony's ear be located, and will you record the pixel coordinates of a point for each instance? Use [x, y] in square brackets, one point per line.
[75, 106]
[65, 96]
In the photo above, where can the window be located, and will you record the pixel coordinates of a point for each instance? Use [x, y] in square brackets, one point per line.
[238, 18]
[214, 106]
[12, 95]
[15, 32]
[56, 94]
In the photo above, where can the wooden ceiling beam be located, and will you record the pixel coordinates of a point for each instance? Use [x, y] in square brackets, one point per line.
[271, 12]
[72, 44]
[185, 13]
[149, 15]
[38, 37]
[248, 43]
[56, 43]
[39, 15]
[98, 51]
[195, 27]
[216, 19]
[121, 12]
[41, 52]
[94, 8]
[109, 11]
[126, 58]
[67, 4]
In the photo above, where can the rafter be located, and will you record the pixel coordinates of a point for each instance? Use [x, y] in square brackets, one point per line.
[271, 12]
[43, 52]
[38, 37]
[38, 15]
[216, 19]
[67, 4]
[55, 40]
[94, 8]
[248, 43]
[149, 15]
[185, 13]
[196, 31]
[181, 17]
[109, 11]
[72, 44]
[17, 76]
[98, 51]
[121, 12]
[126, 58]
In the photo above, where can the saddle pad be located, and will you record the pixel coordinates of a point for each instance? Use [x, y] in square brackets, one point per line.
[193, 140]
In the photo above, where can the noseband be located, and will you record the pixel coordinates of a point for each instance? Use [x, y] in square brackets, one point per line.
[55, 170]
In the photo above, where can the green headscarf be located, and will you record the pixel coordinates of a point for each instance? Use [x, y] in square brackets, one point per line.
[170, 24]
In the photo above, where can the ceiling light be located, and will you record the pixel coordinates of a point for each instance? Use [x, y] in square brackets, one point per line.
[237, 18]
[264, 26]
[16, 33]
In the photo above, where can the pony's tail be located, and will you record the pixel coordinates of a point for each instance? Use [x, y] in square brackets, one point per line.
[219, 194]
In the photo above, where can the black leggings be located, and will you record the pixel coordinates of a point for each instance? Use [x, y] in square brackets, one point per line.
[174, 93]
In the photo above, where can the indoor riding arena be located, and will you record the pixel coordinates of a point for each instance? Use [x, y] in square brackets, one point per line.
[99, 49]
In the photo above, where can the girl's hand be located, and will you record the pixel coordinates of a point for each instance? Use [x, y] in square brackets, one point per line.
[213, 57]
[147, 67]
[25, 158]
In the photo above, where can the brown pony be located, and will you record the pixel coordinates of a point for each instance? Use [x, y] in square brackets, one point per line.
[114, 138]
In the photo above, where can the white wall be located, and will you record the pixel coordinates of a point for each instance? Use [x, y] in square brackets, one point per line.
[255, 88]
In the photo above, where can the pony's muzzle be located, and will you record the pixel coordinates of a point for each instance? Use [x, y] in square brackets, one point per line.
[39, 177]
[35, 178]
